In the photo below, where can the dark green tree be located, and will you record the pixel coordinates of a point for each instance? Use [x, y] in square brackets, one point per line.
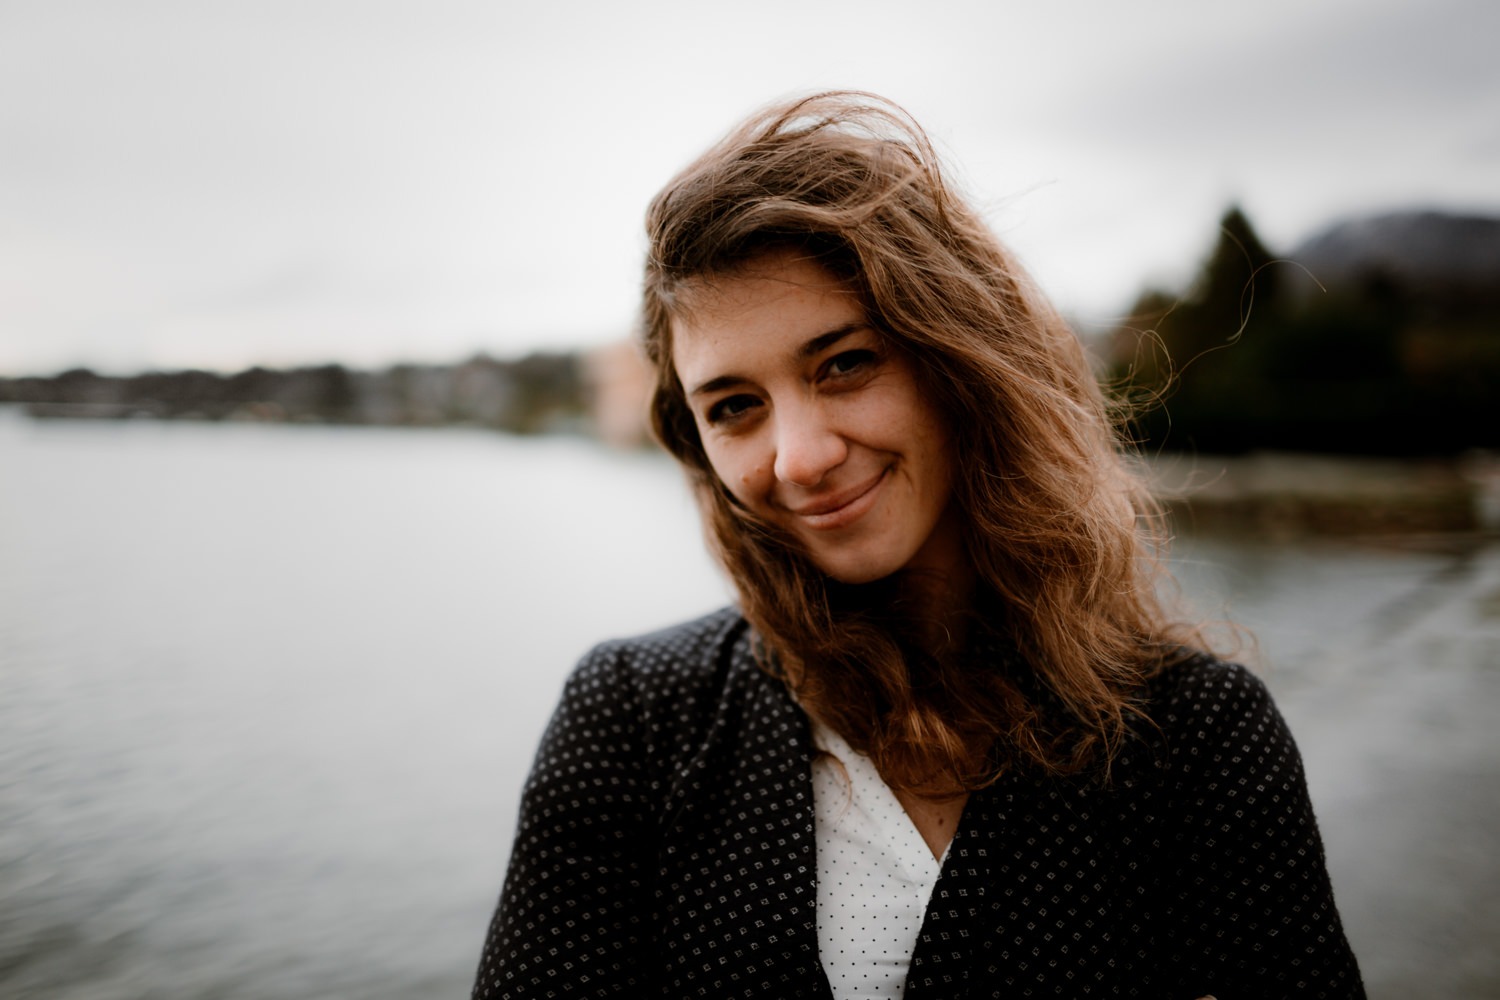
[1194, 369]
[1257, 354]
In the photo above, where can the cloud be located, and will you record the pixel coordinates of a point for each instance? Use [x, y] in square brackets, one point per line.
[474, 173]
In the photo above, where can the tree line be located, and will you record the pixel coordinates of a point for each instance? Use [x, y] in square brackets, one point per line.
[1388, 346]
[1377, 357]
[538, 392]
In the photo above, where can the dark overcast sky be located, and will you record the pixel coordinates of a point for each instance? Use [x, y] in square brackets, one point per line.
[227, 183]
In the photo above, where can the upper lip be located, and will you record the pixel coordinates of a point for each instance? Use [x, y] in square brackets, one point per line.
[831, 502]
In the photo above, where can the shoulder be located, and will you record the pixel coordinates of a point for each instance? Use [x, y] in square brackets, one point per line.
[1243, 882]
[1199, 690]
[668, 662]
[1217, 723]
[678, 646]
[657, 695]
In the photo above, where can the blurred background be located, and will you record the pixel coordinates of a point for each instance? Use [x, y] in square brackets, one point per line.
[321, 460]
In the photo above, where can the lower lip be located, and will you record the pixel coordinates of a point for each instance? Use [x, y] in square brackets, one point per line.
[849, 513]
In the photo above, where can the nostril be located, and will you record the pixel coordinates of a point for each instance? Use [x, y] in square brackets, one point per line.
[808, 483]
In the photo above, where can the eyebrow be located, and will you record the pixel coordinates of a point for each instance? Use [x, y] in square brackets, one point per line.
[817, 345]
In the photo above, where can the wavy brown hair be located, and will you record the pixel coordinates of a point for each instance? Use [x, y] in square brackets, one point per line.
[1067, 624]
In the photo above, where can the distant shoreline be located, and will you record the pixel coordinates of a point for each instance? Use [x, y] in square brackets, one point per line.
[1285, 494]
[1270, 494]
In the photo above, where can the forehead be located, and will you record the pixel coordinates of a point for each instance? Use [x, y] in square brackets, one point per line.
[773, 305]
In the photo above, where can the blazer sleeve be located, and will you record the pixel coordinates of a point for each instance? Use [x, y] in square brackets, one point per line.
[1253, 913]
[576, 894]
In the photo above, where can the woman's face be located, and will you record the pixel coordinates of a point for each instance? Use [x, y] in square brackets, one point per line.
[817, 424]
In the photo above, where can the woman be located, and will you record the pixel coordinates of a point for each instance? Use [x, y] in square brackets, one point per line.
[949, 743]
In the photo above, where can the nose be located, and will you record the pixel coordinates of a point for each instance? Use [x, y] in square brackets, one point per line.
[807, 448]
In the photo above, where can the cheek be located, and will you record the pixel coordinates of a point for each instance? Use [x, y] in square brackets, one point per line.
[934, 441]
[929, 422]
[742, 473]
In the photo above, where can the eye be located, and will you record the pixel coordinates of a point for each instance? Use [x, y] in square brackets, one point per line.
[849, 363]
[731, 408]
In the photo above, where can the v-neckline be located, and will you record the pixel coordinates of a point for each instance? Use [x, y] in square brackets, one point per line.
[897, 830]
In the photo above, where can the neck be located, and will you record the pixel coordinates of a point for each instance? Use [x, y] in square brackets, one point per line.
[940, 604]
[939, 587]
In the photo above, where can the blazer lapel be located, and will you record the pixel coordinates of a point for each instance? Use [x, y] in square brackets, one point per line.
[943, 956]
[1026, 897]
[739, 866]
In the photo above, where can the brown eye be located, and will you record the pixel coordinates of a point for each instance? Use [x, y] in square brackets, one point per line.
[730, 408]
[850, 363]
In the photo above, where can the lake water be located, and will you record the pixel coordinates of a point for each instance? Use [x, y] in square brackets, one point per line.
[268, 694]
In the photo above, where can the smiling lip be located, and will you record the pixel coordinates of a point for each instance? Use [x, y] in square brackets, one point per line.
[842, 509]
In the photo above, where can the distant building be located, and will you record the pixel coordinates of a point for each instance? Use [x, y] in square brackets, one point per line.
[619, 384]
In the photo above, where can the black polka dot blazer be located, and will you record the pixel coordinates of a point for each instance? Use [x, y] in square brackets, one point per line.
[666, 848]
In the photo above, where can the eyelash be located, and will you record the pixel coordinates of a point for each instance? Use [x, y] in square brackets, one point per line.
[861, 358]
[858, 361]
[719, 412]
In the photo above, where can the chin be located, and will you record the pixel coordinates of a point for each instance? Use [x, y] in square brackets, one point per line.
[858, 571]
